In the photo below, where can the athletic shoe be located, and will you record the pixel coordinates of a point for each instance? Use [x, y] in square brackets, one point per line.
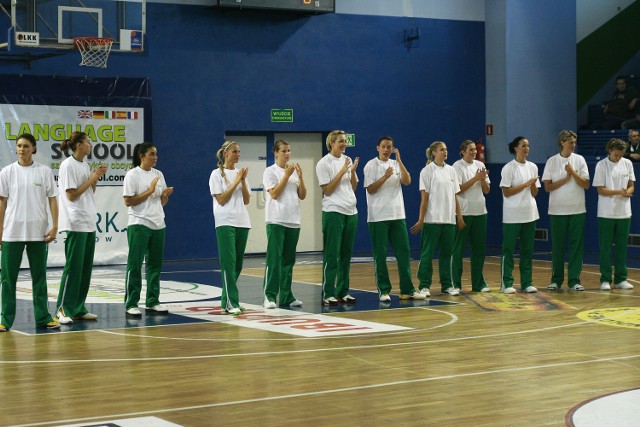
[158, 308]
[296, 303]
[425, 292]
[348, 299]
[234, 311]
[623, 285]
[415, 295]
[553, 286]
[485, 289]
[50, 325]
[509, 290]
[605, 286]
[577, 287]
[134, 311]
[269, 304]
[452, 291]
[86, 316]
[62, 319]
[530, 289]
[385, 298]
[330, 301]
[3, 328]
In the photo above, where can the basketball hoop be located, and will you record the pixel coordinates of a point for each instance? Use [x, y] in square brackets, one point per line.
[94, 50]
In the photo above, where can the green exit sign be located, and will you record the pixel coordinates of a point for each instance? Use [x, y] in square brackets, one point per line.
[351, 139]
[282, 115]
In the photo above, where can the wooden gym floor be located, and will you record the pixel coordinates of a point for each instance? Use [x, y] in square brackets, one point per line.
[472, 360]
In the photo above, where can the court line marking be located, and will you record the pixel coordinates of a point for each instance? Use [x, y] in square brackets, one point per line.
[274, 353]
[337, 390]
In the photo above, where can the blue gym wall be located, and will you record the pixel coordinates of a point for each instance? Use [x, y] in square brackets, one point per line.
[211, 71]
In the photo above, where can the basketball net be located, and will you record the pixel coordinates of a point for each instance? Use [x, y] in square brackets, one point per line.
[93, 50]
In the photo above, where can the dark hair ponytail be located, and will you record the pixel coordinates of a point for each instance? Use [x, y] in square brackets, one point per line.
[514, 144]
[73, 141]
[139, 150]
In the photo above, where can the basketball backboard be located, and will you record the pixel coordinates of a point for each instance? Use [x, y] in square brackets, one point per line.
[52, 24]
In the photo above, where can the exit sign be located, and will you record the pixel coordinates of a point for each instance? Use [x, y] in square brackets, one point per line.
[282, 115]
[351, 139]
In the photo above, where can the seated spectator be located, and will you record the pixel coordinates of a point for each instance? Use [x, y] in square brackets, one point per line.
[633, 147]
[621, 107]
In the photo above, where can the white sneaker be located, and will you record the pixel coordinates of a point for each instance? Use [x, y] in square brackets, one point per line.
[415, 295]
[531, 289]
[605, 286]
[385, 298]
[577, 287]
[158, 308]
[234, 311]
[452, 291]
[329, 301]
[425, 292]
[485, 289]
[510, 290]
[269, 304]
[552, 286]
[296, 303]
[134, 311]
[87, 316]
[62, 319]
[622, 285]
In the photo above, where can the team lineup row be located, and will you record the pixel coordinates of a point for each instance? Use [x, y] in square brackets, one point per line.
[452, 214]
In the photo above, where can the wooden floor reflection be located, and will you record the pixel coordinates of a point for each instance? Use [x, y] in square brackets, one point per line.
[485, 361]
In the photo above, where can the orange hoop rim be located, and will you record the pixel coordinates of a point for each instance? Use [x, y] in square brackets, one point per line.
[95, 40]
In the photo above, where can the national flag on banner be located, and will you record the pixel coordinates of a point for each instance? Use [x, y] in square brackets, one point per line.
[85, 114]
[109, 114]
[121, 114]
[98, 114]
[132, 115]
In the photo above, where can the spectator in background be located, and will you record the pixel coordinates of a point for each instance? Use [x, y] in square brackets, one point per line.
[633, 147]
[621, 107]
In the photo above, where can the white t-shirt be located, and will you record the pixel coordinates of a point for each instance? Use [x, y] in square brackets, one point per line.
[286, 209]
[387, 203]
[343, 199]
[234, 213]
[614, 176]
[441, 183]
[149, 213]
[27, 189]
[79, 214]
[472, 201]
[568, 199]
[519, 208]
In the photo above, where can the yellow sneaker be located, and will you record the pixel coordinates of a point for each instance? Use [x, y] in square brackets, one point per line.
[3, 328]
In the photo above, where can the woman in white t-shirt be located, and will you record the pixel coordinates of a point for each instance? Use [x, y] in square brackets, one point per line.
[231, 192]
[338, 180]
[614, 179]
[565, 178]
[474, 182]
[383, 179]
[284, 185]
[520, 186]
[26, 187]
[78, 216]
[439, 216]
[145, 193]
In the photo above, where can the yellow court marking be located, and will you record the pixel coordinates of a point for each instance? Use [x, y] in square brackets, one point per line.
[622, 317]
[497, 301]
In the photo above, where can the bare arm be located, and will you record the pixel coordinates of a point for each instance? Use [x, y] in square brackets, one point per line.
[75, 193]
[276, 191]
[511, 191]
[330, 187]
[130, 201]
[354, 177]
[302, 189]
[51, 235]
[424, 201]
